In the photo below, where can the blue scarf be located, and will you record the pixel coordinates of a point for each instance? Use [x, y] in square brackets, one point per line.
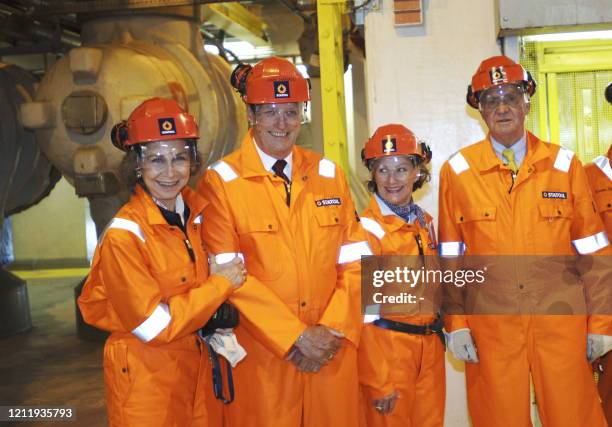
[407, 212]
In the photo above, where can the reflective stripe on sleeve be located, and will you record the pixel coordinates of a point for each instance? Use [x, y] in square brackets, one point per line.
[373, 227]
[564, 159]
[126, 224]
[227, 257]
[369, 318]
[224, 170]
[327, 168]
[458, 163]
[154, 324]
[591, 244]
[372, 313]
[451, 248]
[353, 252]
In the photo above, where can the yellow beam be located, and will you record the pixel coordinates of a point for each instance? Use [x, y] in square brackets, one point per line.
[238, 21]
[329, 16]
[51, 274]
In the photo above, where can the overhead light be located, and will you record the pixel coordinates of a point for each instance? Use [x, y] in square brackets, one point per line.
[583, 35]
[247, 52]
[210, 48]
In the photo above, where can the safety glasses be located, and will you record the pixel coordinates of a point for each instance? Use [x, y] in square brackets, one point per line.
[159, 156]
[291, 113]
[511, 95]
[398, 167]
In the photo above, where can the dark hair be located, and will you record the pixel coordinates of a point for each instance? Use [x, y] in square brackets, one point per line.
[417, 162]
[239, 77]
[128, 168]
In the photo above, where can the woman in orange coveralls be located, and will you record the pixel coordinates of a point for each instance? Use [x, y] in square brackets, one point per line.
[401, 356]
[149, 283]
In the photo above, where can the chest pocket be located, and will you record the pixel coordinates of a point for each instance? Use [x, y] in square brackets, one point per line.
[603, 201]
[328, 216]
[552, 231]
[258, 224]
[476, 214]
[479, 226]
[262, 246]
[325, 243]
[175, 280]
[552, 212]
[331, 226]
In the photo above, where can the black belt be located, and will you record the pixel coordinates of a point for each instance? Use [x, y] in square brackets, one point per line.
[408, 328]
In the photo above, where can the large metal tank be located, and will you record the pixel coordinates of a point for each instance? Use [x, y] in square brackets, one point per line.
[26, 177]
[123, 61]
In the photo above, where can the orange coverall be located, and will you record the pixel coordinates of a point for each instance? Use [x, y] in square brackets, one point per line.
[479, 215]
[599, 173]
[303, 269]
[144, 288]
[415, 362]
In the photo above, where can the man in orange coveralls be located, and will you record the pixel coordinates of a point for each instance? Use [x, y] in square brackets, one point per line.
[408, 341]
[289, 213]
[599, 173]
[513, 194]
[149, 283]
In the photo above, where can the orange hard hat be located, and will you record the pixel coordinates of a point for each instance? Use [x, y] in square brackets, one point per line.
[495, 71]
[271, 81]
[156, 119]
[395, 140]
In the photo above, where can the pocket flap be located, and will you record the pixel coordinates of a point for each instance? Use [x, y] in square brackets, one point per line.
[328, 216]
[603, 201]
[257, 224]
[484, 213]
[555, 210]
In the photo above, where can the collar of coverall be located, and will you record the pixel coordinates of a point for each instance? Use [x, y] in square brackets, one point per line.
[394, 222]
[250, 161]
[269, 161]
[536, 151]
[154, 217]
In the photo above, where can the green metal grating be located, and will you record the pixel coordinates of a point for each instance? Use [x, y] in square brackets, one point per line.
[583, 121]
[529, 60]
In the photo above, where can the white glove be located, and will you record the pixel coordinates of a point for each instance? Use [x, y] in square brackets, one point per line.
[598, 345]
[224, 343]
[462, 346]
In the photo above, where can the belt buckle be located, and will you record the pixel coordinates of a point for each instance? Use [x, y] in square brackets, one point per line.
[428, 331]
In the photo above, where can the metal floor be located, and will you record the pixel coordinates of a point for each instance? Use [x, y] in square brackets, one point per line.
[49, 365]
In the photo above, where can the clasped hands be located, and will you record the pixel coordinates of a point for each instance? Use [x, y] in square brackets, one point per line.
[313, 349]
